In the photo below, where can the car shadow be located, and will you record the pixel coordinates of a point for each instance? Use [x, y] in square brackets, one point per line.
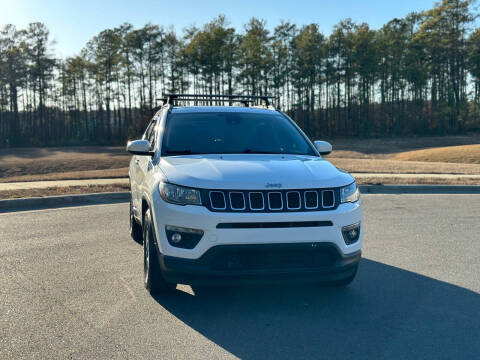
[386, 312]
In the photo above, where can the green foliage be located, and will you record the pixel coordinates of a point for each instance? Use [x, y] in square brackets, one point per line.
[255, 57]
[419, 74]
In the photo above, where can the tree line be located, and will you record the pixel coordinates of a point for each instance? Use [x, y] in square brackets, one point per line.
[415, 75]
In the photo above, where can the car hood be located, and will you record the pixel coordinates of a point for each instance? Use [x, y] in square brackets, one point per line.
[252, 172]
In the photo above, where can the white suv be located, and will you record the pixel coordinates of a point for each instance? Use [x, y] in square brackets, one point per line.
[225, 194]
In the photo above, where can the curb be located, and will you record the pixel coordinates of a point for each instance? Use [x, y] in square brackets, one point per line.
[61, 201]
[47, 202]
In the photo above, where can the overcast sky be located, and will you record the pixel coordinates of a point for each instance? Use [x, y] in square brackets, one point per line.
[73, 22]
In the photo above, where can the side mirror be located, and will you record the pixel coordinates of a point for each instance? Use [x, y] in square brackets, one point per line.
[139, 147]
[323, 147]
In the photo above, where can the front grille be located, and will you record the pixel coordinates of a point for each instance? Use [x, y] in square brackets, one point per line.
[271, 201]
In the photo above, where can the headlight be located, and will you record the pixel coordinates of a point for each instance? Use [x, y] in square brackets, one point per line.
[179, 194]
[349, 193]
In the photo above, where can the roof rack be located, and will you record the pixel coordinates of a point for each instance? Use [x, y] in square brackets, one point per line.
[209, 99]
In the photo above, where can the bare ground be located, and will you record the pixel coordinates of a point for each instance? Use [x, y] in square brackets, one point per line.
[385, 148]
[351, 165]
[42, 161]
[469, 154]
[403, 167]
[71, 175]
[422, 155]
[53, 191]
[392, 180]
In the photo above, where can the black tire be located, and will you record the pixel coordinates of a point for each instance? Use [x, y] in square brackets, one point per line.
[135, 228]
[153, 279]
[343, 282]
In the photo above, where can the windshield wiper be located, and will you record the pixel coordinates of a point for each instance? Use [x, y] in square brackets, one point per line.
[246, 151]
[179, 152]
[251, 151]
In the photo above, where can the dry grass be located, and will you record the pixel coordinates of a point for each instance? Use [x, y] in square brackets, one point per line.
[71, 175]
[426, 155]
[405, 167]
[378, 180]
[52, 191]
[385, 148]
[39, 161]
[466, 154]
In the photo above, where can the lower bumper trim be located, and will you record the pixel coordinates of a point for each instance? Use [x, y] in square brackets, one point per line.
[261, 263]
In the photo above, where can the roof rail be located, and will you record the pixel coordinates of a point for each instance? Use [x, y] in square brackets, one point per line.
[246, 100]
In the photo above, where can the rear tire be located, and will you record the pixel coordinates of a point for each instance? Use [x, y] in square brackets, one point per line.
[135, 228]
[153, 279]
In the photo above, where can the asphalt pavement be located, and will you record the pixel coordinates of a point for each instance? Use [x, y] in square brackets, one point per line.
[71, 287]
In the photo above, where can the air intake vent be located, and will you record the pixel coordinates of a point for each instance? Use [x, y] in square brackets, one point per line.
[256, 201]
[275, 201]
[328, 199]
[311, 199]
[217, 199]
[237, 201]
[293, 200]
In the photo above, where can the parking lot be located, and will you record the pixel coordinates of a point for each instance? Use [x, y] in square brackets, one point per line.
[71, 286]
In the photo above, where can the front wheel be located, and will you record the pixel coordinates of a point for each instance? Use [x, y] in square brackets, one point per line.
[153, 279]
[135, 228]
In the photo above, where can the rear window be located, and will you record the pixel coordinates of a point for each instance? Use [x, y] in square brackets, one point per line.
[232, 133]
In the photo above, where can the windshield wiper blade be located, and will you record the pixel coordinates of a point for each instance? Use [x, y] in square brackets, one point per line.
[251, 151]
[179, 152]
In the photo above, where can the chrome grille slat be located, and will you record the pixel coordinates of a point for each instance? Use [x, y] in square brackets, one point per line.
[299, 200]
[306, 202]
[269, 201]
[231, 203]
[250, 201]
[324, 192]
[224, 201]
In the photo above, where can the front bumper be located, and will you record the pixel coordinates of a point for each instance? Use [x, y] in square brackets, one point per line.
[261, 263]
[198, 217]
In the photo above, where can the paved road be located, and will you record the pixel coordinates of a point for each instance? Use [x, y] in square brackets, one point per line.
[71, 286]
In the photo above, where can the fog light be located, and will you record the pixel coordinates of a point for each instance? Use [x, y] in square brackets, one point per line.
[351, 233]
[176, 238]
[181, 237]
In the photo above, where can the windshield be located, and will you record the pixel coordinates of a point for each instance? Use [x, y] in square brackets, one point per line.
[232, 133]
